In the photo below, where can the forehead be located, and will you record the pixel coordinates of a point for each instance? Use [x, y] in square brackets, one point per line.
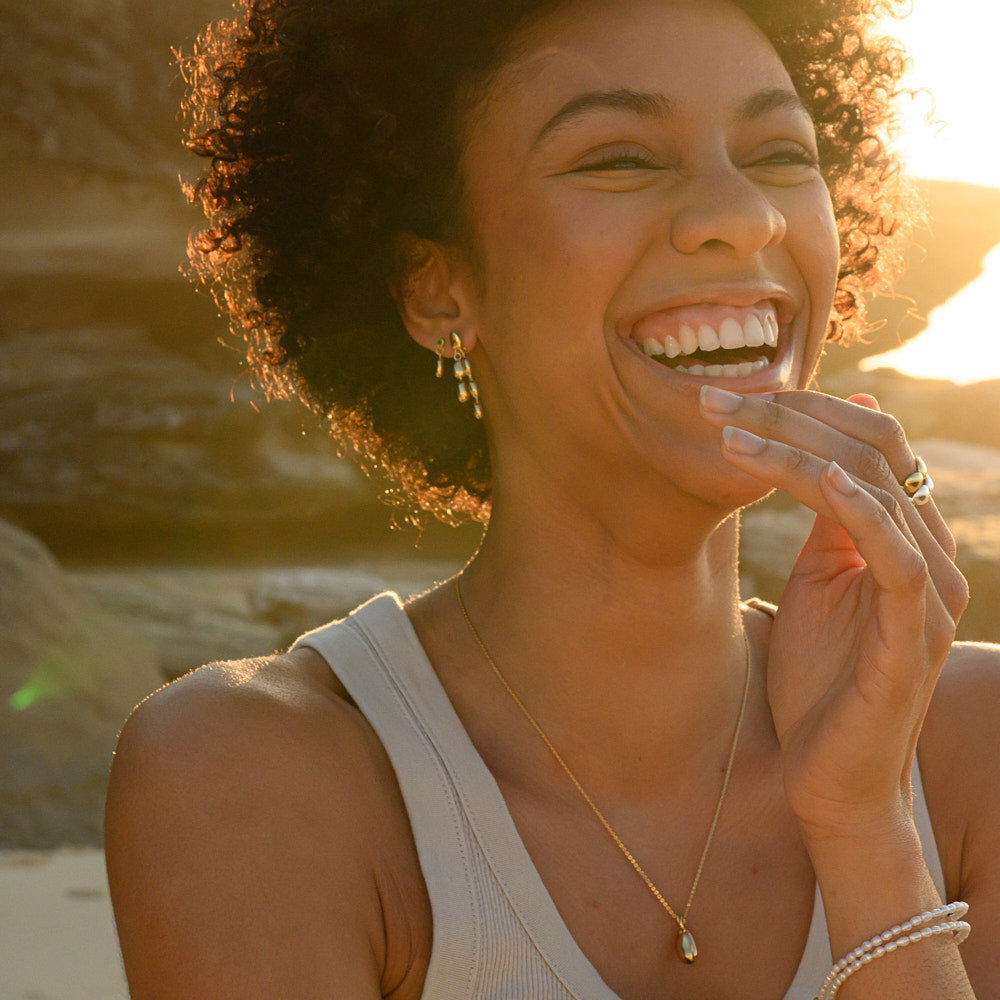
[700, 54]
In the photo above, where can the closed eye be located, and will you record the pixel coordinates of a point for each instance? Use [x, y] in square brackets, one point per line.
[794, 156]
[619, 161]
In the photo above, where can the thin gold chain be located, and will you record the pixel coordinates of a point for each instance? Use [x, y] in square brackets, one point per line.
[680, 920]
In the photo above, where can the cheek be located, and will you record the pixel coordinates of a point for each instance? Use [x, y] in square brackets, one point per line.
[819, 262]
[815, 244]
[553, 253]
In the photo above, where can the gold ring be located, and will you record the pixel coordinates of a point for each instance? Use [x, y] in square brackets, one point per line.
[918, 484]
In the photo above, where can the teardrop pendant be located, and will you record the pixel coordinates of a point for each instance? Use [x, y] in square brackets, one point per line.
[687, 950]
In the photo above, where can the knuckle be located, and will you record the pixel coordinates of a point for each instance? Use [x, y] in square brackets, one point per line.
[773, 417]
[890, 438]
[884, 497]
[895, 510]
[881, 511]
[889, 507]
[873, 465]
[941, 631]
[955, 594]
[939, 643]
[915, 569]
[795, 459]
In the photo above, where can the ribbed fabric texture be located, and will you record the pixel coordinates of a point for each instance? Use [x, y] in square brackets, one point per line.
[497, 932]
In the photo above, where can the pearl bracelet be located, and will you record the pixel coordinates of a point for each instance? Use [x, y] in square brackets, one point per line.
[942, 920]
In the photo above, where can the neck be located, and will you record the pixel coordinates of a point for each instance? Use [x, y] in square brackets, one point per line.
[633, 650]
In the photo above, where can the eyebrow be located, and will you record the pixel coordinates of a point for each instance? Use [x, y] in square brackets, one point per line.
[652, 105]
[765, 101]
[645, 105]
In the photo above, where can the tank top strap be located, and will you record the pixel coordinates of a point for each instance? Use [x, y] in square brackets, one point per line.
[497, 932]
[360, 650]
[760, 605]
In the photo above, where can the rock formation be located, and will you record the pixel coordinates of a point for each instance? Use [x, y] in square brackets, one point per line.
[69, 675]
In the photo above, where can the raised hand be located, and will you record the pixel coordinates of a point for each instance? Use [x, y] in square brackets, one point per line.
[869, 612]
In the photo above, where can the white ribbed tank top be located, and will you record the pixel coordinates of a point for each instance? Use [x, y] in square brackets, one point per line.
[497, 934]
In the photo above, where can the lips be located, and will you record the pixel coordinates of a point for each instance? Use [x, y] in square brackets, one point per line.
[710, 339]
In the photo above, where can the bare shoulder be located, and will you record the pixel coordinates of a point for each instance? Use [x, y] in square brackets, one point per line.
[960, 766]
[257, 842]
[963, 718]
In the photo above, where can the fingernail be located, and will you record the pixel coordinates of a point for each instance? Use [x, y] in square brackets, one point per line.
[741, 441]
[840, 480]
[719, 400]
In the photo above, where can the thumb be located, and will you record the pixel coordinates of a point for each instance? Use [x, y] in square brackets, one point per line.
[863, 399]
[827, 551]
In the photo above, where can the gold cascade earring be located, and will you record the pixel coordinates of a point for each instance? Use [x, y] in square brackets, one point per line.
[467, 388]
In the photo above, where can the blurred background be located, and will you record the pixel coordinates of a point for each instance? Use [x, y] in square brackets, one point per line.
[156, 513]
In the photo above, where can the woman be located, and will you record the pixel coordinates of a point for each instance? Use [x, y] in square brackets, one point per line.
[584, 768]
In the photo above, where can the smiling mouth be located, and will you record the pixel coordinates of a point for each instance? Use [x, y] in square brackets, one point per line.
[717, 341]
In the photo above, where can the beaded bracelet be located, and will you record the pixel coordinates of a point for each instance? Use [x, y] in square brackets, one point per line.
[943, 920]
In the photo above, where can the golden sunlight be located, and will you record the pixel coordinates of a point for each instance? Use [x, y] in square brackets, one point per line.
[962, 339]
[953, 49]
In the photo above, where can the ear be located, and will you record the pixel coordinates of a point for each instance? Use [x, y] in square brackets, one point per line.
[432, 292]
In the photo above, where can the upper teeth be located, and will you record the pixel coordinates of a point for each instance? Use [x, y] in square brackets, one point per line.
[731, 335]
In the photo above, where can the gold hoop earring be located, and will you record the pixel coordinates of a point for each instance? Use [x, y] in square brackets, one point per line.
[467, 388]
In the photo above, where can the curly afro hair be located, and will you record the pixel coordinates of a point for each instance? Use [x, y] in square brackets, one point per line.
[332, 126]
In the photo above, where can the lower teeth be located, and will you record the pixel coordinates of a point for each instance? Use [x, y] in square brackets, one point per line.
[724, 371]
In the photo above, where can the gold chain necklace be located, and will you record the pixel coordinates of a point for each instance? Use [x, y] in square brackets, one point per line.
[687, 950]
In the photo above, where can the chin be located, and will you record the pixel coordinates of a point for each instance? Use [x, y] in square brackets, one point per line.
[728, 491]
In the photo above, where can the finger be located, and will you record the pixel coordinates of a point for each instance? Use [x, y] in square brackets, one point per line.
[904, 577]
[801, 474]
[860, 417]
[835, 429]
[929, 512]
[860, 439]
[798, 471]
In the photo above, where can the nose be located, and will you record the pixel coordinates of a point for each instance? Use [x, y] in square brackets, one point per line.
[725, 210]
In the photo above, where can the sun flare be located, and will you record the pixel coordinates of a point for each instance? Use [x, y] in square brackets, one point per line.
[950, 134]
[956, 63]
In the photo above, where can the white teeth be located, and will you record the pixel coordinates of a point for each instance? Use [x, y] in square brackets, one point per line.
[688, 339]
[708, 339]
[731, 334]
[741, 370]
[770, 330]
[754, 332]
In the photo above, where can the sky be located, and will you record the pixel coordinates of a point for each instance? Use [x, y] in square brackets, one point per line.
[953, 45]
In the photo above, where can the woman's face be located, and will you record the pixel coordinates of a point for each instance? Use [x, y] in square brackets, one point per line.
[648, 216]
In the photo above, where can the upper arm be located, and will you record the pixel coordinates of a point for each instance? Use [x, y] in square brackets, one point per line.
[960, 764]
[244, 838]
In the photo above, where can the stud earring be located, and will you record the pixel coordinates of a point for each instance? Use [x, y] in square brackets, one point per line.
[467, 388]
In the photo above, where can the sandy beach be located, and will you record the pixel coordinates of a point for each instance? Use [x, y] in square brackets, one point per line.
[56, 928]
